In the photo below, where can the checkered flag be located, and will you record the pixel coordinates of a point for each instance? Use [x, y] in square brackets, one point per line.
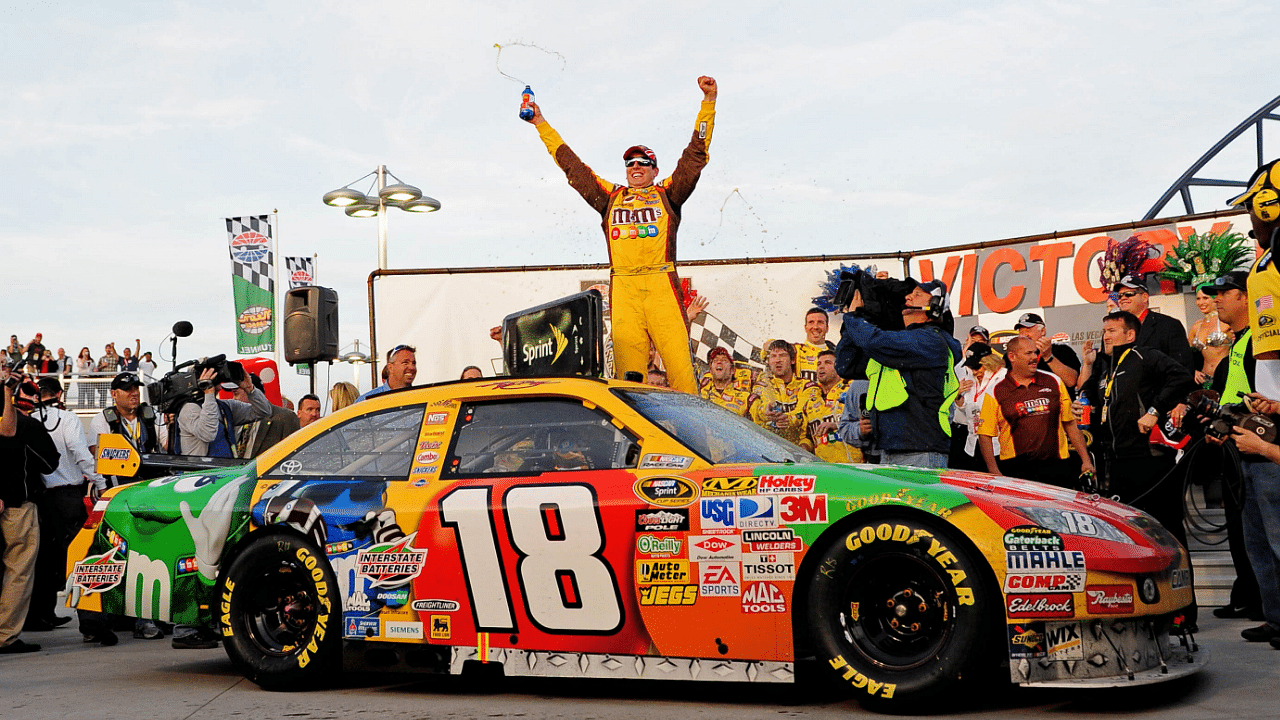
[706, 331]
[252, 256]
[302, 271]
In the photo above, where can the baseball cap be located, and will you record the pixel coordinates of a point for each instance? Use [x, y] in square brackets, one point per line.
[718, 350]
[1264, 190]
[977, 351]
[979, 330]
[1028, 320]
[125, 380]
[1234, 280]
[1130, 281]
[640, 151]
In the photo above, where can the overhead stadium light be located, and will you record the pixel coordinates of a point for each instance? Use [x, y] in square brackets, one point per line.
[345, 197]
[362, 210]
[421, 205]
[399, 192]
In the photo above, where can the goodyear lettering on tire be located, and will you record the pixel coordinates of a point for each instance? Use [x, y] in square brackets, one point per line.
[322, 597]
[884, 532]
[862, 682]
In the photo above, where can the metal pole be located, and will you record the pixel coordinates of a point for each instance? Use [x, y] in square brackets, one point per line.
[277, 326]
[382, 219]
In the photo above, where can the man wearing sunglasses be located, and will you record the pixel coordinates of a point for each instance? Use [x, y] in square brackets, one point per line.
[401, 369]
[1159, 331]
[640, 220]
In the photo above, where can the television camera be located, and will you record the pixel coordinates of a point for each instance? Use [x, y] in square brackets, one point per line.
[183, 385]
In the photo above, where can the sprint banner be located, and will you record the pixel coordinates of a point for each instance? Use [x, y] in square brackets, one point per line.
[253, 283]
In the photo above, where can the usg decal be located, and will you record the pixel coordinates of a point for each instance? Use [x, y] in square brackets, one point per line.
[718, 515]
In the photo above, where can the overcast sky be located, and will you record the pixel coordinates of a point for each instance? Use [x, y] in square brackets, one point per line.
[129, 130]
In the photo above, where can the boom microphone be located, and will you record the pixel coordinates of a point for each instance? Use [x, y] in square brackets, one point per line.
[182, 328]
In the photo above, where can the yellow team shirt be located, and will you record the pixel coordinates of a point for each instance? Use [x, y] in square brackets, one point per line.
[821, 408]
[789, 397]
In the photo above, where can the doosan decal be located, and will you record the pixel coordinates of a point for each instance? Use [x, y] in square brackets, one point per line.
[1109, 599]
[1057, 605]
[778, 484]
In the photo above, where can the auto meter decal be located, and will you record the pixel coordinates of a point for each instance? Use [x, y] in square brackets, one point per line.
[662, 572]
[666, 491]
[391, 564]
[98, 573]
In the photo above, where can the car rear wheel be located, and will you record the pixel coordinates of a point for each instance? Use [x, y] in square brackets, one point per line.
[897, 609]
[280, 613]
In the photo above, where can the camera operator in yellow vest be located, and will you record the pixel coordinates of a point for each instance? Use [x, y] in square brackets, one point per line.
[912, 376]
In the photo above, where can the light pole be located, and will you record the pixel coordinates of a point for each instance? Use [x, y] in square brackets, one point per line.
[357, 358]
[401, 195]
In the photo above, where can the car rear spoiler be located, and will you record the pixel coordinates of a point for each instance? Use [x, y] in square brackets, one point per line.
[117, 457]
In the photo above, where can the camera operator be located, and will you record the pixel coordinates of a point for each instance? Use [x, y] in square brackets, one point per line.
[207, 426]
[912, 376]
[1233, 380]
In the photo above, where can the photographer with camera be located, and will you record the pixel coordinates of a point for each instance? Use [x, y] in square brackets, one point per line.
[1233, 380]
[206, 425]
[911, 371]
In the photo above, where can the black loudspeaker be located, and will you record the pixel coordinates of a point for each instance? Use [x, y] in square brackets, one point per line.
[310, 324]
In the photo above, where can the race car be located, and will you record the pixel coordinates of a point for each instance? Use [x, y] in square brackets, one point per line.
[563, 526]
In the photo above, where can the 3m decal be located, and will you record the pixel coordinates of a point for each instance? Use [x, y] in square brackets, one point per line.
[673, 520]
[768, 566]
[662, 572]
[718, 515]
[1044, 582]
[658, 546]
[862, 682]
[555, 530]
[1056, 605]
[703, 548]
[755, 511]
[435, 605]
[441, 627]
[98, 573]
[802, 509]
[1031, 537]
[763, 597]
[729, 486]
[668, 594]
[666, 491]
[719, 579]
[1109, 599]
[776, 484]
[409, 630]
[1063, 641]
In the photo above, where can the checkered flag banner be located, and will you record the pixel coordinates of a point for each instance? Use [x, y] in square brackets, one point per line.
[706, 331]
[302, 271]
[253, 282]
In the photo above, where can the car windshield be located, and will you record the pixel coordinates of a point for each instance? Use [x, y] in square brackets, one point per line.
[716, 434]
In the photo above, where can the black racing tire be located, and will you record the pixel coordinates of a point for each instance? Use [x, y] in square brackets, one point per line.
[898, 608]
[281, 615]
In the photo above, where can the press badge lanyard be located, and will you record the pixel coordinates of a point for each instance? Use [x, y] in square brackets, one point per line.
[1111, 381]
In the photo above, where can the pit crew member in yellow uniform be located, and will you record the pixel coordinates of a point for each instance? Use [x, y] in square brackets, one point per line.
[821, 415]
[640, 220]
[721, 385]
[779, 397]
[815, 341]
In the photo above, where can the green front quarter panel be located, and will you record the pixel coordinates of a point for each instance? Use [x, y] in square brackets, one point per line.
[173, 533]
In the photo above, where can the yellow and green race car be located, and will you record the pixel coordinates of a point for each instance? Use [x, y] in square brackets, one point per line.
[589, 528]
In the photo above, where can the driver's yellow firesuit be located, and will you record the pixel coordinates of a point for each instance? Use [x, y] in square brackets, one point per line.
[789, 398]
[640, 225]
[735, 397]
[823, 407]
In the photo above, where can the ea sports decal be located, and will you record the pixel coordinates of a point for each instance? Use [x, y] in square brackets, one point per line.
[98, 573]
[391, 564]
